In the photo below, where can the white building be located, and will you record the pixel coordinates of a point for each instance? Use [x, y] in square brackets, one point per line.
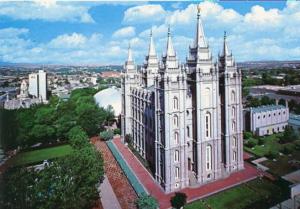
[266, 120]
[38, 85]
[185, 120]
[33, 85]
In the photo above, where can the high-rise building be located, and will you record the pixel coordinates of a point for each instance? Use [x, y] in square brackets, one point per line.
[33, 85]
[38, 85]
[185, 120]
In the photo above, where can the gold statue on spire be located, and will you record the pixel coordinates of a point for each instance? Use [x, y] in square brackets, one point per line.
[198, 8]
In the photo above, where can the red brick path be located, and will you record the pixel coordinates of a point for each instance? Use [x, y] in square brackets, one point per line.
[155, 190]
[119, 182]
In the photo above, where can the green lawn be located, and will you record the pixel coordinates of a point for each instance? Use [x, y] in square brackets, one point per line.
[283, 164]
[257, 194]
[270, 143]
[39, 155]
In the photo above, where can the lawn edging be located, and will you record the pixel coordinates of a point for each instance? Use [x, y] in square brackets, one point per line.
[134, 181]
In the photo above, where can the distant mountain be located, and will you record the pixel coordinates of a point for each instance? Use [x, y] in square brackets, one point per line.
[268, 64]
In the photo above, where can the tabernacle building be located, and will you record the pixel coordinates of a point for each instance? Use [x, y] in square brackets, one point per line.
[185, 120]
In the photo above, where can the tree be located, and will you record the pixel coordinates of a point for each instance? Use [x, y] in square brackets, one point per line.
[179, 200]
[106, 135]
[289, 135]
[146, 202]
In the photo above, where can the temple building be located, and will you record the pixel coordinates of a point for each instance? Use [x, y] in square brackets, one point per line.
[185, 120]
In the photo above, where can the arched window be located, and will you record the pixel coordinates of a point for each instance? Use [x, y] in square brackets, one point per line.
[232, 96]
[208, 157]
[234, 156]
[207, 97]
[175, 103]
[188, 131]
[233, 126]
[176, 138]
[177, 172]
[233, 112]
[207, 125]
[234, 142]
[176, 156]
[175, 121]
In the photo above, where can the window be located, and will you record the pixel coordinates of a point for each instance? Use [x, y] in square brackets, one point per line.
[234, 156]
[188, 131]
[258, 117]
[233, 126]
[176, 156]
[208, 158]
[175, 103]
[175, 121]
[232, 96]
[207, 125]
[233, 112]
[234, 142]
[177, 172]
[176, 137]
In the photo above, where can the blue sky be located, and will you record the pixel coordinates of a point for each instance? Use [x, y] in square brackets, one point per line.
[46, 31]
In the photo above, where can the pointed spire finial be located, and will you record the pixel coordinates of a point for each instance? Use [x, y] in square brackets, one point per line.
[130, 59]
[225, 34]
[170, 48]
[199, 9]
[152, 51]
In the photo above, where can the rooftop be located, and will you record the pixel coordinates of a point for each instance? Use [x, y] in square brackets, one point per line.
[266, 108]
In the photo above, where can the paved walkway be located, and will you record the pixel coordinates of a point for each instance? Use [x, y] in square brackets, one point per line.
[119, 183]
[107, 196]
[155, 190]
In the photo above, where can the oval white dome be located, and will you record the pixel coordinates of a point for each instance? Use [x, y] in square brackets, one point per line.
[110, 96]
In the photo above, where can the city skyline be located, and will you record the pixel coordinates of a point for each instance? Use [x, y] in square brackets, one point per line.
[86, 33]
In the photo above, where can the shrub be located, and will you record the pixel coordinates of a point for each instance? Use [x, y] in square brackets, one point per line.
[251, 143]
[271, 154]
[106, 135]
[248, 135]
[297, 144]
[117, 131]
[179, 200]
[288, 148]
[261, 141]
[146, 202]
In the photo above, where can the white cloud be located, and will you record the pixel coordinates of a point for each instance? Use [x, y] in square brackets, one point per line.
[47, 10]
[260, 17]
[68, 41]
[124, 32]
[144, 13]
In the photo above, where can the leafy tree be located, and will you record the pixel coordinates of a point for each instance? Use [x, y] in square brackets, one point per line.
[146, 202]
[106, 135]
[251, 143]
[179, 200]
[288, 148]
[289, 135]
[266, 101]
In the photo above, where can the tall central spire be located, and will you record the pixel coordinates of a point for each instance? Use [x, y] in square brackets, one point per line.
[170, 48]
[152, 51]
[129, 59]
[225, 51]
[200, 37]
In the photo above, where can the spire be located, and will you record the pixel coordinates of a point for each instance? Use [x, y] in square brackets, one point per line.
[129, 64]
[129, 59]
[225, 51]
[170, 48]
[200, 37]
[152, 51]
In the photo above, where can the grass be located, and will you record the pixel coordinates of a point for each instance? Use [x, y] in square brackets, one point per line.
[282, 165]
[257, 194]
[270, 143]
[36, 156]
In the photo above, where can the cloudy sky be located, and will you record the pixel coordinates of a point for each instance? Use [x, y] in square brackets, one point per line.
[46, 31]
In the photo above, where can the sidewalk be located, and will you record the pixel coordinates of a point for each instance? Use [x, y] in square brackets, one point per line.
[107, 196]
[193, 194]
